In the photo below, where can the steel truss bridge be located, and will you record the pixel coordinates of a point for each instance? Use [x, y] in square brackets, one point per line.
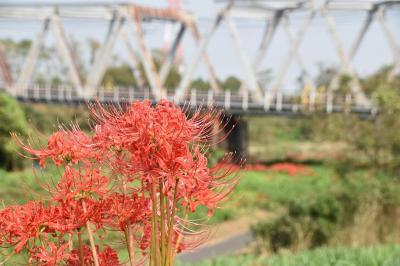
[127, 19]
[232, 102]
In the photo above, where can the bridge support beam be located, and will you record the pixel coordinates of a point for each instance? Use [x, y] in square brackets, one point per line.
[5, 69]
[30, 61]
[238, 138]
[293, 51]
[395, 47]
[345, 62]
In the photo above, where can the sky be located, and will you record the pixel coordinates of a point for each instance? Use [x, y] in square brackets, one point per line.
[317, 46]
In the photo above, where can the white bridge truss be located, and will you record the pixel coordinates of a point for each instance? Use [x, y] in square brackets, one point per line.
[124, 19]
[127, 18]
[277, 14]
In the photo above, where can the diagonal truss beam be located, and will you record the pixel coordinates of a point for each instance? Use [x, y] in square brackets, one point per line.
[103, 55]
[394, 45]
[146, 56]
[354, 48]
[277, 84]
[206, 59]
[166, 66]
[65, 51]
[299, 59]
[5, 69]
[155, 78]
[201, 49]
[355, 85]
[251, 79]
[30, 62]
[269, 32]
[133, 59]
[271, 25]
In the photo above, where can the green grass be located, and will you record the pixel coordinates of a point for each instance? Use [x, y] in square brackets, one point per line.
[278, 138]
[18, 187]
[280, 187]
[277, 129]
[268, 189]
[384, 255]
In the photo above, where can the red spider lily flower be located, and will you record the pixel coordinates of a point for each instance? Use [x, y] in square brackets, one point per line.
[20, 223]
[50, 255]
[107, 257]
[291, 169]
[72, 216]
[125, 210]
[144, 240]
[161, 145]
[152, 138]
[63, 147]
[156, 155]
[200, 185]
[80, 184]
[155, 140]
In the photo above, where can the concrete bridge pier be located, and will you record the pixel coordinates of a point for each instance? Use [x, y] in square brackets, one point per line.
[238, 138]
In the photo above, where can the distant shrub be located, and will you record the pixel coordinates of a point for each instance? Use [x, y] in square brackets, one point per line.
[356, 211]
[12, 118]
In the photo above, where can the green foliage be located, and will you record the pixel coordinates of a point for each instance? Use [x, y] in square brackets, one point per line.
[280, 189]
[173, 79]
[12, 119]
[119, 76]
[200, 84]
[20, 186]
[47, 117]
[272, 129]
[339, 256]
[379, 79]
[214, 155]
[277, 138]
[122, 75]
[372, 143]
[325, 75]
[335, 215]
[231, 83]
[16, 47]
[268, 190]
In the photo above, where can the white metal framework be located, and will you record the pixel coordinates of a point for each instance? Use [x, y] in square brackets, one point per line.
[124, 18]
[277, 13]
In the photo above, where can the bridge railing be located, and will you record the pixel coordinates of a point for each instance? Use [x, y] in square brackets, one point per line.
[229, 100]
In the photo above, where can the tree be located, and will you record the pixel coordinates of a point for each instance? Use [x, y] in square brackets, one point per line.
[119, 76]
[200, 84]
[231, 83]
[12, 119]
[325, 75]
[373, 142]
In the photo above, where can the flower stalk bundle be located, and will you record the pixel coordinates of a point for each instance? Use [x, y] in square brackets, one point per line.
[140, 172]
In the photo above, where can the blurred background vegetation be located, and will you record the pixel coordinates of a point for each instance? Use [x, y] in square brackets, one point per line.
[348, 197]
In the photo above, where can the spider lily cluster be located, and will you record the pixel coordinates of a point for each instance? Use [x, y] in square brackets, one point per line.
[140, 171]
